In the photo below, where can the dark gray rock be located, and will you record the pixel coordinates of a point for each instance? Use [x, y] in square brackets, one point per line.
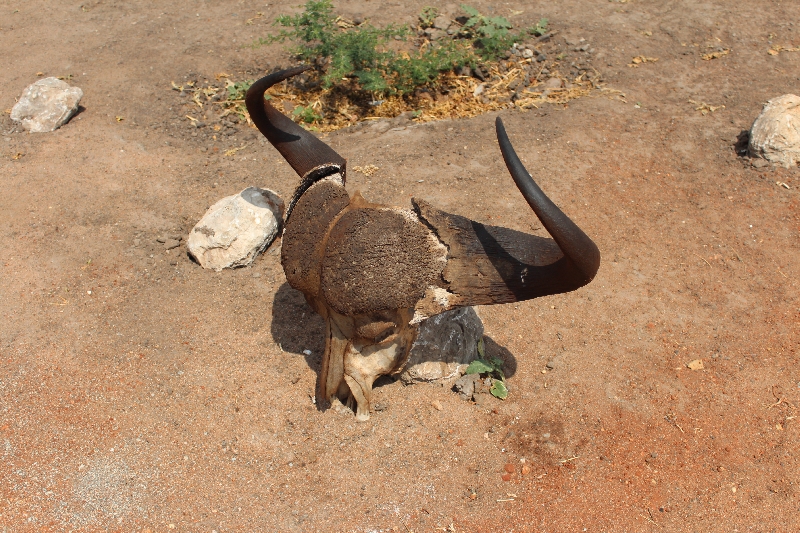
[445, 343]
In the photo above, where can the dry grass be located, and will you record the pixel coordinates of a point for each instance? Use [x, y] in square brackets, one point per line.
[453, 96]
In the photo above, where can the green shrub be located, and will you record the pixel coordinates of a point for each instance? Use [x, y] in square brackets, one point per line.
[362, 53]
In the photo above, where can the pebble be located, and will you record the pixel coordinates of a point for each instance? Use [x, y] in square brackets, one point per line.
[169, 244]
[550, 365]
[306, 352]
[697, 364]
[437, 405]
[527, 53]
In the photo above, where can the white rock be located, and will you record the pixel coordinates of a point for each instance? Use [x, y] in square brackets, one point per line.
[775, 135]
[46, 105]
[236, 229]
[445, 344]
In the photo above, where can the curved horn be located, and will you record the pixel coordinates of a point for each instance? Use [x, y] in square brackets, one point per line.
[580, 252]
[301, 149]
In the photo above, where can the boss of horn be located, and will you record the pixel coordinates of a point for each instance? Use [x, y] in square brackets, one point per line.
[374, 272]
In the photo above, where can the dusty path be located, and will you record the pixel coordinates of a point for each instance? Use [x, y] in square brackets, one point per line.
[139, 392]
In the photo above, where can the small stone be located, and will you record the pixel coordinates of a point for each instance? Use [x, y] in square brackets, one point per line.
[306, 352]
[506, 477]
[169, 244]
[553, 83]
[697, 364]
[437, 405]
[550, 365]
[509, 468]
[236, 229]
[46, 105]
[540, 58]
[527, 53]
[441, 22]
[465, 385]
[775, 134]
[526, 469]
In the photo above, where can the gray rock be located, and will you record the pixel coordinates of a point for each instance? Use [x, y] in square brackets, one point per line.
[441, 22]
[527, 53]
[775, 135]
[236, 229]
[553, 83]
[46, 105]
[445, 344]
[466, 385]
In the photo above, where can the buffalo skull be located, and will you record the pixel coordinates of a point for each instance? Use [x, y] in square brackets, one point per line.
[374, 272]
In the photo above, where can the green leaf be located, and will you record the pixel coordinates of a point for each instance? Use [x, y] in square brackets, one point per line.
[471, 11]
[500, 22]
[481, 348]
[479, 366]
[496, 362]
[499, 390]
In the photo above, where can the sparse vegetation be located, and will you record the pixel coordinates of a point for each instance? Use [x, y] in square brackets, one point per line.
[490, 367]
[361, 51]
[441, 68]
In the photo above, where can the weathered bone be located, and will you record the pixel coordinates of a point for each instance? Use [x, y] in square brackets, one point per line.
[375, 272]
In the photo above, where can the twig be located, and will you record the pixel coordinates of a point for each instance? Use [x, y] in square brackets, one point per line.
[650, 518]
[568, 460]
[709, 264]
[780, 401]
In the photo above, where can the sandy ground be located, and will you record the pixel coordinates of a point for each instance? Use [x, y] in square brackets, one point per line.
[139, 392]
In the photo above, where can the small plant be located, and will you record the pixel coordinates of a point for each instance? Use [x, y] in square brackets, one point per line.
[493, 35]
[237, 90]
[491, 367]
[427, 16]
[539, 29]
[306, 114]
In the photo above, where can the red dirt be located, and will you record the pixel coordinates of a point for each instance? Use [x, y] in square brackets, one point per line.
[139, 392]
